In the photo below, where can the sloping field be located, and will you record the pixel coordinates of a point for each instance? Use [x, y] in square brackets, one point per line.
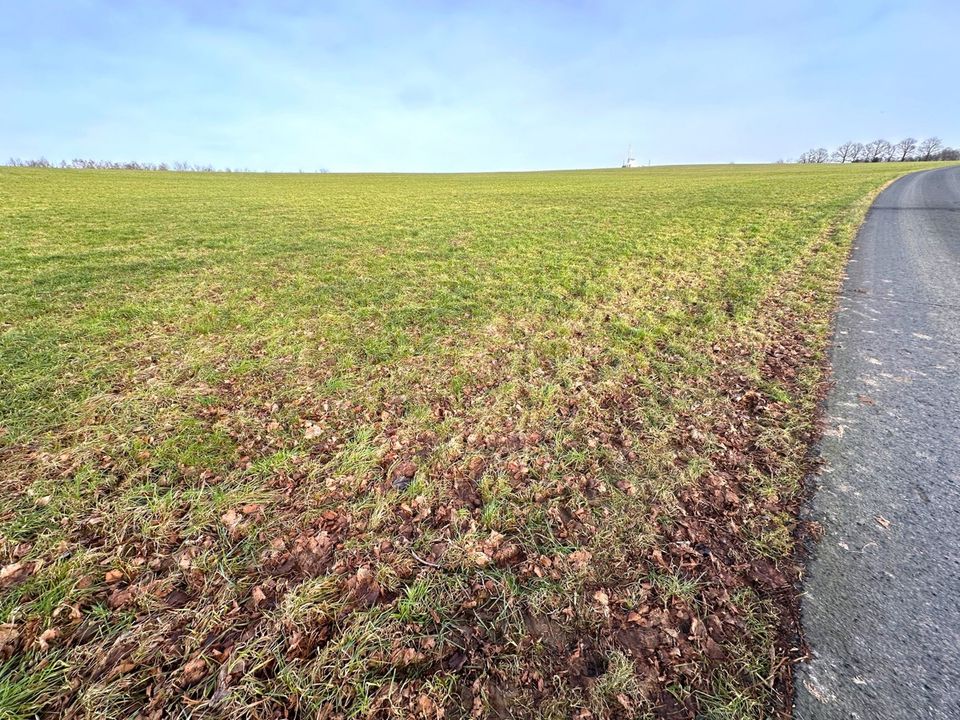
[329, 446]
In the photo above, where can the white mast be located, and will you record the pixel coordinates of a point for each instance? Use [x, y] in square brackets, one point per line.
[630, 162]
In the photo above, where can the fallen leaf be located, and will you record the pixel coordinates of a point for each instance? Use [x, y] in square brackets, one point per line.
[259, 596]
[426, 705]
[46, 636]
[481, 558]
[9, 570]
[230, 518]
[8, 638]
[120, 598]
[14, 573]
[194, 671]
[456, 661]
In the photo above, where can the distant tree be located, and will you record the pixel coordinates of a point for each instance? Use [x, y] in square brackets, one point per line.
[844, 153]
[904, 149]
[876, 150]
[948, 154]
[814, 155]
[857, 152]
[929, 147]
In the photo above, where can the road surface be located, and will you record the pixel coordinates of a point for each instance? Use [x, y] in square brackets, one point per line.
[881, 607]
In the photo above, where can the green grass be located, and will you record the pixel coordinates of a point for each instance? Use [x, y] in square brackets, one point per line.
[209, 382]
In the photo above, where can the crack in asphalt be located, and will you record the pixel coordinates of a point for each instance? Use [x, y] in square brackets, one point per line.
[881, 603]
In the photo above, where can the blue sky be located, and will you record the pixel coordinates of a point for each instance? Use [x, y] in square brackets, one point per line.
[463, 86]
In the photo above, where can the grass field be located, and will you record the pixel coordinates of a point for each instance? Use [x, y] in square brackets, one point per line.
[517, 445]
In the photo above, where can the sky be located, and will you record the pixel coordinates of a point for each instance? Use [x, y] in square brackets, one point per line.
[451, 85]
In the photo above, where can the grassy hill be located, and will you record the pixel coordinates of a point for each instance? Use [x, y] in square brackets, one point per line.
[410, 445]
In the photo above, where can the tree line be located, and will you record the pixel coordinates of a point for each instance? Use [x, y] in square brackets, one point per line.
[880, 150]
[86, 164]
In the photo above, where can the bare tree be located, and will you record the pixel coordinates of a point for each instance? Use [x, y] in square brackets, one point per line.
[844, 153]
[877, 149]
[814, 155]
[929, 147]
[904, 148]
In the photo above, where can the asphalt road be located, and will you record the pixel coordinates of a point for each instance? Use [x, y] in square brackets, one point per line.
[881, 607]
